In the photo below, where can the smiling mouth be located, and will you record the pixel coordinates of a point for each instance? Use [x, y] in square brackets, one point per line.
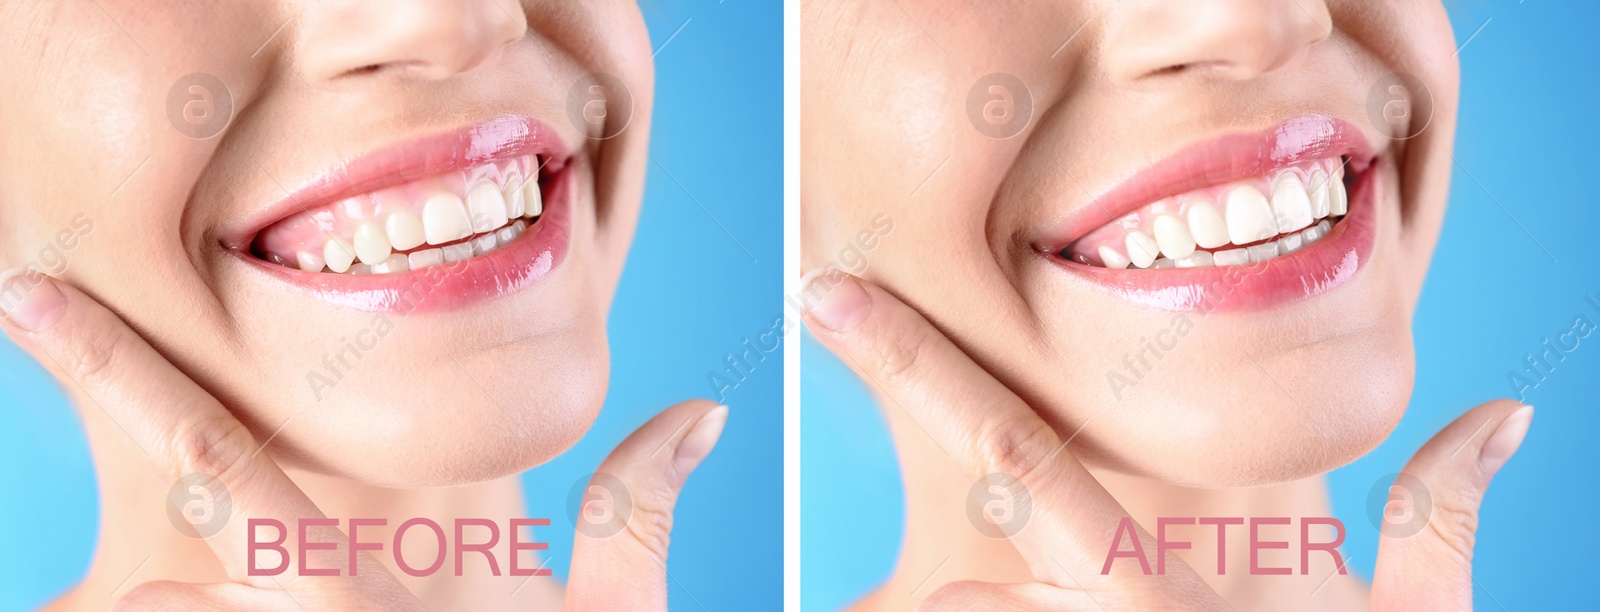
[1245, 221]
[1242, 221]
[441, 222]
[449, 217]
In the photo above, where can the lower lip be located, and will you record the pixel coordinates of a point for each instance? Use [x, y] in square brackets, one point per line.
[1308, 272]
[450, 285]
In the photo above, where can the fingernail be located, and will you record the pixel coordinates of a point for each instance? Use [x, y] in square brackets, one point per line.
[700, 440]
[31, 304]
[1505, 440]
[840, 301]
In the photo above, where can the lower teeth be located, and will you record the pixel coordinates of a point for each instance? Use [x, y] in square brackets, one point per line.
[467, 248]
[1238, 256]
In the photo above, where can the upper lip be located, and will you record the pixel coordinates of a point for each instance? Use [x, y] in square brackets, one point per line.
[502, 137]
[1224, 159]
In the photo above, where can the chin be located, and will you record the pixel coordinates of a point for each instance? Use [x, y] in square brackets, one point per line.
[477, 417]
[1234, 426]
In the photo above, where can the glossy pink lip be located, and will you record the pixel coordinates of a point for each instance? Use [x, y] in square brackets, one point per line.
[500, 138]
[451, 285]
[1320, 267]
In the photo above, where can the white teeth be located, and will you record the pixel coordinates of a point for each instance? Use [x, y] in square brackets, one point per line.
[1200, 259]
[444, 219]
[372, 246]
[425, 258]
[394, 263]
[1299, 207]
[404, 230]
[1231, 257]
[1289, 244]
[1263, 252]
[1318, 189]
[513, 196]
[1142, 248]
[483, 244]
[1338, 203]
[457, 252]
[1113, 258]
[1250, 217]
[487, 207]
[338, 254]
[1172, 234]
[1291, 206]
[533, 201]
[308, 261]
[1206, 225]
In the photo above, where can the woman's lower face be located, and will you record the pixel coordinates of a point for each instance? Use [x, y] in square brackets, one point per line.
[1178, 234]
[372, 234]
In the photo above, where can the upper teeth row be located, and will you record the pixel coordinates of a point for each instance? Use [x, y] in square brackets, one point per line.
[374, 231]
[1298, 199]
[445, 218]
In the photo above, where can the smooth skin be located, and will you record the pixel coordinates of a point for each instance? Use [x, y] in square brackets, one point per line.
[1246, 416]
[186, 431]
[988, 429]
[180, 355]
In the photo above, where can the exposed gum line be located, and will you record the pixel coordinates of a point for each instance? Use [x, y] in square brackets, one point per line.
[311, 232]
[1119, 234]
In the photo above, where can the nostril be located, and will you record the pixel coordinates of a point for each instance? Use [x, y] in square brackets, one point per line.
[1170, 70]
[1214, 67]
[377, 69]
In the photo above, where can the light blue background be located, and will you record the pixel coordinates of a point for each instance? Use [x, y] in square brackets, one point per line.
[690, 294]
[1527, 131]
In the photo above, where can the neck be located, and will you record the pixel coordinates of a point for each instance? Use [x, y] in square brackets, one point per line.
[138, 543]
[941, 546]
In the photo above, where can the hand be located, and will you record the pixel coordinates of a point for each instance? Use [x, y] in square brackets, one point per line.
[188, 431]
[991, 430]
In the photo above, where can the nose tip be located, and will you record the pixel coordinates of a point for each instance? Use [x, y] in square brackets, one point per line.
[411, 39]
[1225, 40]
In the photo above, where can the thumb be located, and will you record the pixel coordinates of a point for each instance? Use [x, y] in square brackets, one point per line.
[1426, 560]
[619, 553]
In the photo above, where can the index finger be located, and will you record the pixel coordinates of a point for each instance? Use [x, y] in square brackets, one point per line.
[191, 439]
[986, 427]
